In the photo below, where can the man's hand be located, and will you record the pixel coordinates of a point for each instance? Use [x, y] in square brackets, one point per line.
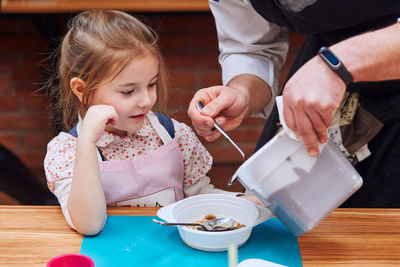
[226, 104]
[229, 105]
[310, 98]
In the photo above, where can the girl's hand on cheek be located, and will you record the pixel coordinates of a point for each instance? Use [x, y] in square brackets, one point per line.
[96, 119]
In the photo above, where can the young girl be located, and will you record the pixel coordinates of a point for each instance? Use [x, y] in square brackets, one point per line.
[115, 150]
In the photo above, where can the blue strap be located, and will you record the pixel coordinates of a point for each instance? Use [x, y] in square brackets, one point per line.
[166, 121]
[73, 132]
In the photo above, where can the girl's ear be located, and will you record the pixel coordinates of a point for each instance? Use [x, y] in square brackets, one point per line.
[77, 86]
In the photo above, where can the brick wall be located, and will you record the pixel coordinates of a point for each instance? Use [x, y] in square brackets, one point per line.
[189, 45]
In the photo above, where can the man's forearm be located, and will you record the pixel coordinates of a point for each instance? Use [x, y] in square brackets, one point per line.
[258, 92]
[373, 56]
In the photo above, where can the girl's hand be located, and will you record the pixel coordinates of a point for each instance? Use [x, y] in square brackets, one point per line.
[96, 119]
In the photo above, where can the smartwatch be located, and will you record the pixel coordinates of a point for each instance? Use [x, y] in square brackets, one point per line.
[335, 64]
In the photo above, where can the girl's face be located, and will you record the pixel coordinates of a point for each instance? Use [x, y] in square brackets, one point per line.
[132, 93]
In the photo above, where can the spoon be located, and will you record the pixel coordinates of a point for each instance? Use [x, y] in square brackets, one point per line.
[219, 224]
[200, 106]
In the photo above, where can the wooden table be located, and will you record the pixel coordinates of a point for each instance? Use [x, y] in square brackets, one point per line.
[31, 235]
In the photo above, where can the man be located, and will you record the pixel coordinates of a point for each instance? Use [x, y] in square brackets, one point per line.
[350, 59]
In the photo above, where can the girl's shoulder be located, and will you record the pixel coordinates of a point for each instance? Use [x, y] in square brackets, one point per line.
[63, 141]
[59, 159]
[182, 128]
[187, 138]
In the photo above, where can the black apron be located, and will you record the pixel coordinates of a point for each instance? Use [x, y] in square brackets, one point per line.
[327, 22]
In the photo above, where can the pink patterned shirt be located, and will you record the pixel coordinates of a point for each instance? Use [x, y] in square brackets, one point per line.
[59, 161]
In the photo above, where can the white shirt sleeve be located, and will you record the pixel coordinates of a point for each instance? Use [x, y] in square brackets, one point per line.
[59, 167]
[249, 44]
[61, 191]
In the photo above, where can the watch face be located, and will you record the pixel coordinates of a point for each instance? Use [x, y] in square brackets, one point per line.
[335, 64]
[330, 58]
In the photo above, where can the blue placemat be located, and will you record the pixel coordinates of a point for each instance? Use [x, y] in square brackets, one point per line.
[138, 241]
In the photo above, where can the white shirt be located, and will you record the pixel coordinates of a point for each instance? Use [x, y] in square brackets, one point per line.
[249, 44]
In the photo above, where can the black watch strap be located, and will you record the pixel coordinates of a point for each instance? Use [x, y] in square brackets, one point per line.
[335, 64]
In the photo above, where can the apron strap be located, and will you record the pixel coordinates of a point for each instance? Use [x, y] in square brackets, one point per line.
[166, 121]
[160, 126]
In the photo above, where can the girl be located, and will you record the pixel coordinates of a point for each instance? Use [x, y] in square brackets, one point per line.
[115, 150]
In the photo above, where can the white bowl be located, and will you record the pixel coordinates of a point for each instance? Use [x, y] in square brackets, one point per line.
[258, 263]
[221, 205]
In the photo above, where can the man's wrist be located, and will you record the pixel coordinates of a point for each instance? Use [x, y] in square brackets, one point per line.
[335, 64]
[256, 92]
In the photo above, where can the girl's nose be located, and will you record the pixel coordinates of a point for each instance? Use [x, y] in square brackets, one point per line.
[145, 99]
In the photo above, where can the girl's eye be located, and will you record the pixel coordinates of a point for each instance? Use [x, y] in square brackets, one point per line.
[128, 92]
[153, 84]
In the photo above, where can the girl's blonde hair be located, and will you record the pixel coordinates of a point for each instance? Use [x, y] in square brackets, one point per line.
[99, 44]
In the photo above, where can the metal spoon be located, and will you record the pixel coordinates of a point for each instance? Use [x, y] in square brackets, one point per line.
[200, 106]
[219, 224]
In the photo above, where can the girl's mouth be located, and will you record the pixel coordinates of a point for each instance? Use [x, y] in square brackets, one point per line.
[138, 117]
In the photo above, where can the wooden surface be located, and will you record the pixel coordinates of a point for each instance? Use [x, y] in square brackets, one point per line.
[59, 6]
[32, 235]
